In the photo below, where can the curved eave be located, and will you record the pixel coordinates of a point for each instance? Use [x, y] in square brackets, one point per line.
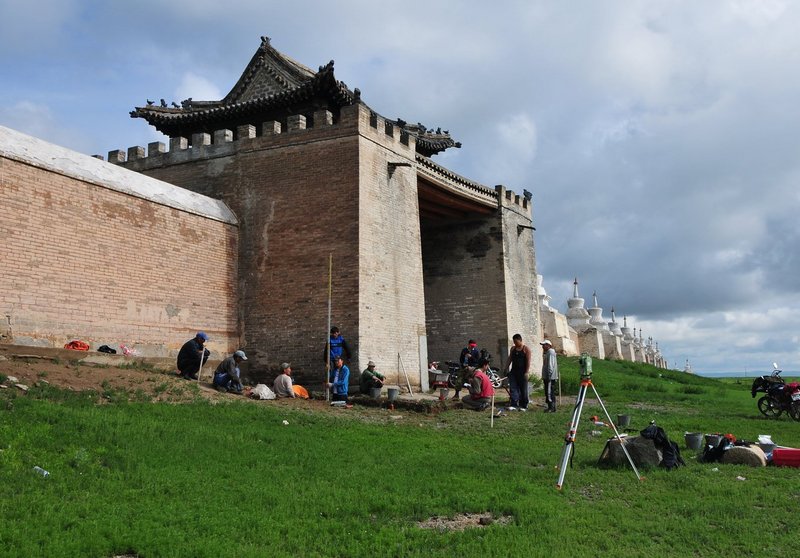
[456, 183]
[428, 146]
[169, 121]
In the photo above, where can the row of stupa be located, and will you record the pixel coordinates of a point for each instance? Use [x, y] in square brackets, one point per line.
[583, 330]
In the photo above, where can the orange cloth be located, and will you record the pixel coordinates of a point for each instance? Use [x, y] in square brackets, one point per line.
[300, 391]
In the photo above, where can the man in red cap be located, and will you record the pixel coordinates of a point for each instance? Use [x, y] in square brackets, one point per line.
[470, 355]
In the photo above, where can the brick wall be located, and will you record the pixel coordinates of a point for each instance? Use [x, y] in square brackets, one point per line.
[391, 294]
[464, 286]
[612, 346]
[522, 304]
[304, 188]
[82, 261]
[296, 194]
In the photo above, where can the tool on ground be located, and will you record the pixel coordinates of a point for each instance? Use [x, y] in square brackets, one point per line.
[569, 443]
[403, 368]
[202, 358]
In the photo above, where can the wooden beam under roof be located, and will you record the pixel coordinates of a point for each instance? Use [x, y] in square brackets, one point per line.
[439, 202]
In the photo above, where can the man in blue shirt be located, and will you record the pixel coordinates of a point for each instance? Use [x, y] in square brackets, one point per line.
[339, 380]
[336, 347]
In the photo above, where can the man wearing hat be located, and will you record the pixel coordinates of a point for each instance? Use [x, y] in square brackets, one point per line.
[227, 374]
[371, 378]
[549, 374]
[282, 386]
[192, 355]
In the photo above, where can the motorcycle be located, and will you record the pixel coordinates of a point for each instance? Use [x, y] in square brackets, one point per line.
[779, 396]
[454, 370]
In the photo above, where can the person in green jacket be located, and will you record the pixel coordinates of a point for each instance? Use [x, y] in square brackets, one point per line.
[371, 378]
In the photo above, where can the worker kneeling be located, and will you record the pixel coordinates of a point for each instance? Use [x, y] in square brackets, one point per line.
[480, 388]
[227, 374]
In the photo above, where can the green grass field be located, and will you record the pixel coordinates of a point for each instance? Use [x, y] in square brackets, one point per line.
[197, 479]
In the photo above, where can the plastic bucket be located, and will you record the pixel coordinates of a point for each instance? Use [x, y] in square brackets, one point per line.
[393, 393]
[623, 421]
[375, 393]
[694, 440]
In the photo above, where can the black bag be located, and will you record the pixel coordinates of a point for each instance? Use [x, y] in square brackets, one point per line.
[106, 349]
[670, 453]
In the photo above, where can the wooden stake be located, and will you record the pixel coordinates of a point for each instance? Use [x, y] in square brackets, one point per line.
[408, 383]
[328, 331]
[559, 390]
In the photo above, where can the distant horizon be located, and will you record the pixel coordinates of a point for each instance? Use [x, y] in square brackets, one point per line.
[746, 374]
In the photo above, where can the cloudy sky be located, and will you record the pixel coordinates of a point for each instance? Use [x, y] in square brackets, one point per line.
[659, 138]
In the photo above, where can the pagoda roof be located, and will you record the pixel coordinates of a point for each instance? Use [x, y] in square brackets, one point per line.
[272, 87]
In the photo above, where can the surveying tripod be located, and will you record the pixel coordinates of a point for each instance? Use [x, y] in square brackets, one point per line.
[569, 443]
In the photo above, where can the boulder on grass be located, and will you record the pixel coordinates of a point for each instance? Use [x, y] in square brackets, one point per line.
[643, 452]
[745, 455]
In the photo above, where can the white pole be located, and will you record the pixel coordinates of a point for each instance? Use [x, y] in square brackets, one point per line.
[492, 421]
[200, 370]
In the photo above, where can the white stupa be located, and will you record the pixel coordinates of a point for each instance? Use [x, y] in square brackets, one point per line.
[596, 314]
[577, 316]
[627, 335]
[613, 325]
[544, 298]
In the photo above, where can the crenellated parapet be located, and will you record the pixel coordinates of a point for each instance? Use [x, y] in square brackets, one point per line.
[296, 128]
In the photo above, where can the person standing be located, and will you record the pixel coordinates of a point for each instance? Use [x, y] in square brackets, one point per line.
[339, 380]
[549, 374]
[370, 378]
[517, 368]
[336, 347]
[282, 386]
[480, 388]
[192, 355]
[227, 376]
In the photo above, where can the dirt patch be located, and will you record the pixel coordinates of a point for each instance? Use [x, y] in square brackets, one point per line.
[135, 383]
[141, 382]
[463, 521]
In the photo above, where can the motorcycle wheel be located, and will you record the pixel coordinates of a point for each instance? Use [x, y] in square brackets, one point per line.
[794, 410]
[494, 378]
[769, 407]
[452, 379]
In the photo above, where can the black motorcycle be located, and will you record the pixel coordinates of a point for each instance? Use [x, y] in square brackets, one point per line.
[454, 370]
[779, 396]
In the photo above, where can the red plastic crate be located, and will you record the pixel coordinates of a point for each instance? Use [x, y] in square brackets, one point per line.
[786, 457]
